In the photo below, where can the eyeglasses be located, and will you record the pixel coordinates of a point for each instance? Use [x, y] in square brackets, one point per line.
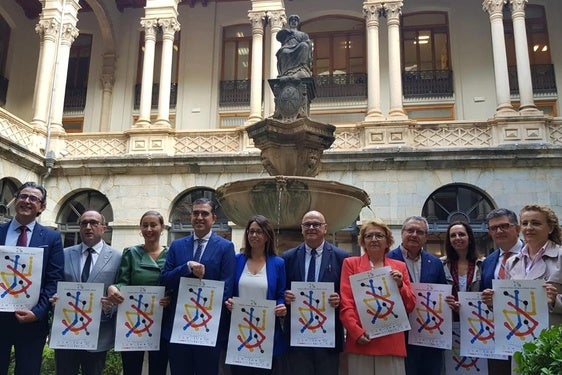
[200, 213]
[92, 223]
[502, 227]
[376, 236]
[314, 225]
[253, 232]
[419, 232]
[32, 198]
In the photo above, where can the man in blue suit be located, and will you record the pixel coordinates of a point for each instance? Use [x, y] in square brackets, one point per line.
[422, 268]
[216, 261]
[26, 330]
[101, 268]
[315, 361]
[504, 229]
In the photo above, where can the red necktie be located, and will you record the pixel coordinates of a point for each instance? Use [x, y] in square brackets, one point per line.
[22, 238]
[501, 272]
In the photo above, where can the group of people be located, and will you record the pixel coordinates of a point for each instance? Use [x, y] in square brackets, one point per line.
[258, 272]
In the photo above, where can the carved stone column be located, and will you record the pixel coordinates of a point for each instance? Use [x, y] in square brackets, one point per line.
[107, 81]
[372, 12]
[48, 30]
[503, 97]
[257, 20]
[277, 20]
[169, 27]
[527, 103]
[393, 11]
[69, 34]
[149, 26]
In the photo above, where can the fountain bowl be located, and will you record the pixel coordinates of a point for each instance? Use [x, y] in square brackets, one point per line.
[285, 199]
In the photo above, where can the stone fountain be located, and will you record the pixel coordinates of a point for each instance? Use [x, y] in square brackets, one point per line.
[291, 147]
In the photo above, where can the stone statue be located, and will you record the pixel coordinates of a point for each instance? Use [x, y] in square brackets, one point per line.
[294, 58]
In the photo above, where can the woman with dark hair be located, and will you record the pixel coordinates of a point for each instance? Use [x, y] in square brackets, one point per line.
[260, 274]
[462, 263]
[141, 265]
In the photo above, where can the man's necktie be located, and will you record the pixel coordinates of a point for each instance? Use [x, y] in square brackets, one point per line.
[311, 276]
[22, 238]
[87, 265]
[501, 272]
[199, 250]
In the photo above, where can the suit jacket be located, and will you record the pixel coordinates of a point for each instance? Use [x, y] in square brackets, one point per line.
[431, 267]
[548, 268]
[275, 272]
[330, 271]
[104, 271]
[219, 262]
[393, 344]
[53, 264]
[489, 268]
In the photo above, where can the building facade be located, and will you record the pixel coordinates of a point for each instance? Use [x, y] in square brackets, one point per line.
[446, 108]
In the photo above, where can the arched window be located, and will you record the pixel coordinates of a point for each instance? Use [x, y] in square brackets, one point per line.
[180, 215]
[456, 202]
[7, 191]
[74, 207]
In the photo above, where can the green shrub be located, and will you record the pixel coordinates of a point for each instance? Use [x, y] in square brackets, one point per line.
[542, 356]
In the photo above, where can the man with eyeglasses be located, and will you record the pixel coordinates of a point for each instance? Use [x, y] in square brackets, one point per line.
[92, 261]
[26, 329]
[326, 267]
[504, 229]
[204, 255]
[423, 267]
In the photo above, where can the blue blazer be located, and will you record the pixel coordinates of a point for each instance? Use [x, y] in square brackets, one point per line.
[53, 266]
[330, 271]
[488, 269]
[219, 262]
[275, 270]
[431, 267]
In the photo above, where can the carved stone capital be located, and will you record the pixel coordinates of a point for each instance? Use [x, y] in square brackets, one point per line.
[150, 26]
[107, 81]
[276, 19]
[169, 27]
[494, 7]
[372, 13]
[518, 8]
[48, 29]
[69, 34]
[257, 20]
[393, 10]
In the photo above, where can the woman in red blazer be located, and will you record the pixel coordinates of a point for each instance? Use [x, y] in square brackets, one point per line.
[381, 355]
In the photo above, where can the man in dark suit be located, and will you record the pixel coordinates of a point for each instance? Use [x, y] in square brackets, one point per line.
[26, 330]
[504, 229]
[315, 361]
[422, 268]
[204, 255]
[92, 261]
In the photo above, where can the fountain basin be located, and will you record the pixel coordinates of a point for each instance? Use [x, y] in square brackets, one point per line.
[285, 199]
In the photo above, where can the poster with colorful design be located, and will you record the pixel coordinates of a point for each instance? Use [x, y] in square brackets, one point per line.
[139, 318]
[77, 317]
[20, 277]
[432, 318]
[313, 320]
[379, 303]
[252, 328]
[455, 363]
[520, 313]
[198, 312]
[476, 327]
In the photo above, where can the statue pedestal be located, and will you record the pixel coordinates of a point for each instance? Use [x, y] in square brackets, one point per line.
[291, 149]
[292, 97]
